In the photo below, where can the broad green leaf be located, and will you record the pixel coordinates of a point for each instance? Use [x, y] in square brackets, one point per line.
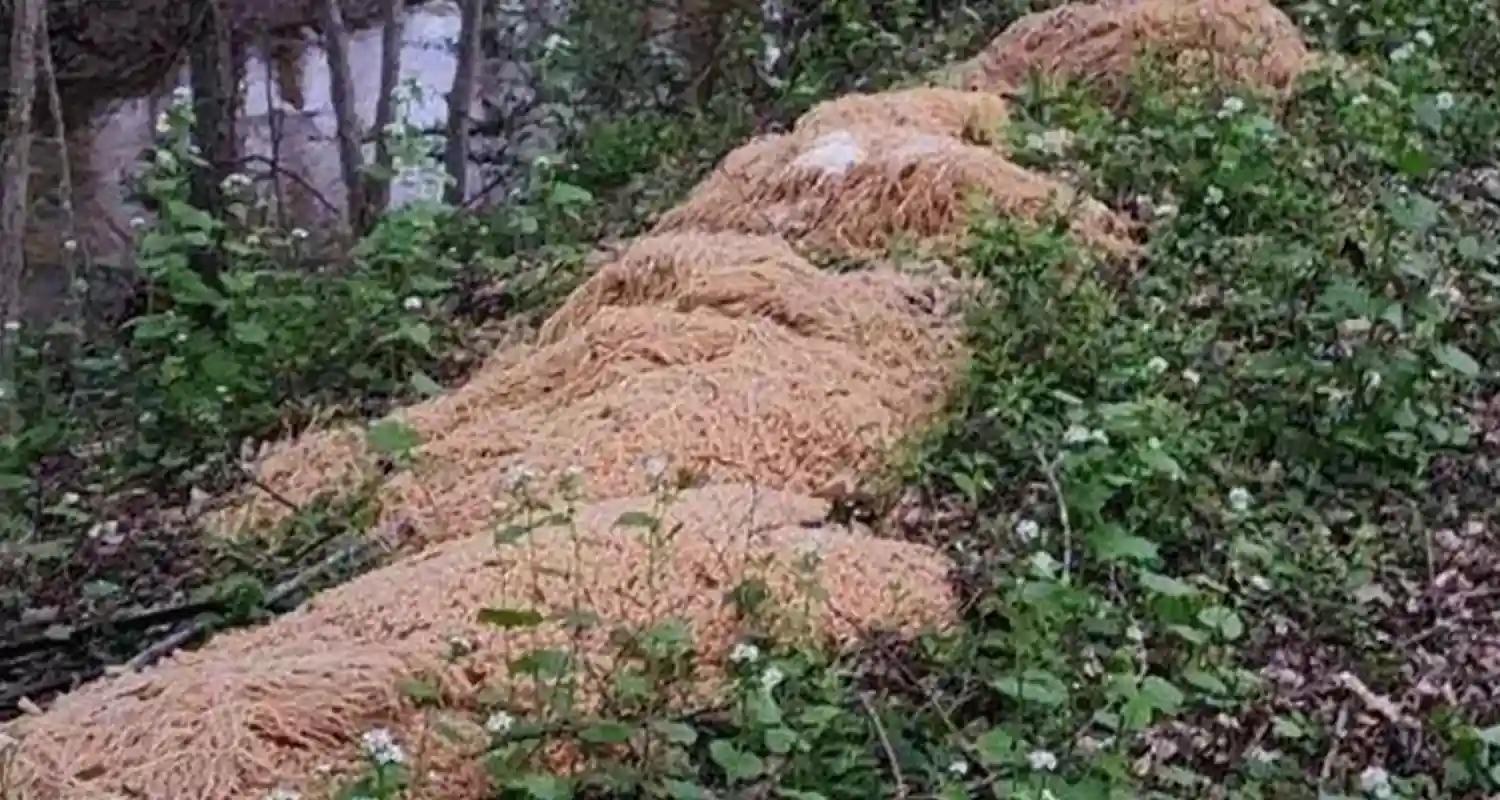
[676, 732]
[636, 519]
[1165, 585]
[510, 617]
[390, 438]
[1033, 686]
[1456, 359]
[996, 747]
[738, 765]
[1224, 620]
[1164, 696]
[607, 732]
[250, 332]
[425, 385]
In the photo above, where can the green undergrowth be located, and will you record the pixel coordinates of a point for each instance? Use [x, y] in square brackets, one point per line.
[1221, 519]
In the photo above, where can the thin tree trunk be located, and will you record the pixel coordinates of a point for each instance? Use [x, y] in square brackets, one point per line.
[76, 251]
[26, 21]
[213, 76]
[336, 45]
[465, 73]
[378, 183]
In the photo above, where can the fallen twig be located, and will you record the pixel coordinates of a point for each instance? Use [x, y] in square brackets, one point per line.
[885, 743]
[1374, 702]
[282, 591]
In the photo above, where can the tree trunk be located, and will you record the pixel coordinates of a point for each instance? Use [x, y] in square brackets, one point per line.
[336, 45]
[465, 73]
[215, 90]
[26, 20]
[378, 185]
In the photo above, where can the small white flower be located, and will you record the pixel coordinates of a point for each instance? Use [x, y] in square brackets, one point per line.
[1444, 101]
[381, 746]
[1157, 365]
[1042, 760]
[1375, 781]
[253, 240]
[1042, 564]
[1192, 376]
[163, 123]
[137, 222]
[1232, 105]
[1056, 142]
[518, 476]
[70, 245]
[299, 233]
[744, 653]
[1360, 99]
[959, 768]
[771, 678]
[1077, 434]
[1423, 37]
[1261, 755]
[1239, 499]
[554, 42]
[1027, 530]
[412, 303]
[222, 389]
[499, 722]
[656, 468]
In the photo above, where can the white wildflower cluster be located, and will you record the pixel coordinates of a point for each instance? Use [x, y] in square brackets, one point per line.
[1028, 531]
[235, 181]
[1239, 499]
[1421, 39]
[499, 722]
[1054, 142]
[1375, 782]
[1041, 760]
[1231, 106]
[656, 470]
[1078, 435]
[746, 654]
[519, 476]
[381, 746]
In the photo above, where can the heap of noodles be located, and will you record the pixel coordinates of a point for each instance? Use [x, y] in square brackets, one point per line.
[728, 355]
[973, 117]
[1248, 42]
[865, 189]
[278, 705]
[710, 345]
